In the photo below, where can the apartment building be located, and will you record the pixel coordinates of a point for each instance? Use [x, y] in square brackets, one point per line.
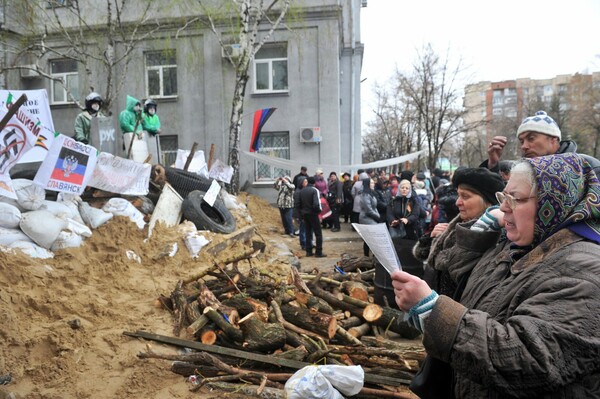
[309, 70]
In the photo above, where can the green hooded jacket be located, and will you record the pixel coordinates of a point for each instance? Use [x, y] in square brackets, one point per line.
[151, 123]
[128, 119]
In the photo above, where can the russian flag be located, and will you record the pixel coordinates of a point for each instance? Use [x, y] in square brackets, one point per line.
[260, 118]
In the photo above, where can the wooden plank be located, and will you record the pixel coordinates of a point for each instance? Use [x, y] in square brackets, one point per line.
[288, 363]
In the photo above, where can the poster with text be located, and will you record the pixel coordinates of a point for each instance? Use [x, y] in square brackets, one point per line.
[68, 166]
[35, 115]
[119, 175]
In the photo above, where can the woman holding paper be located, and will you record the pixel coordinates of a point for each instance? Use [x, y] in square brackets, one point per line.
[527, 323]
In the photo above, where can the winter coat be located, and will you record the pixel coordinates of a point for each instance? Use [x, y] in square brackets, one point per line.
[83, 125]
[150, 123]
[321, 185]
[310, 202]
[129, 119]
[404, 207]
[524, 330]
[368, 212]
[336, 191]
[285, 197]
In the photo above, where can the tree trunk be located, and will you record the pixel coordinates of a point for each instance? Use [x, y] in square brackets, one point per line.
[262, 337]
[235, 125]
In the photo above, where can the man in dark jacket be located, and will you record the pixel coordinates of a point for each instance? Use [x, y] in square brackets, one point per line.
[335, 197]
[296, 213]
[538, 135]
[309, 208]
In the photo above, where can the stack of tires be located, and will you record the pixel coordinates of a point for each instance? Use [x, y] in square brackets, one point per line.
[192, 188]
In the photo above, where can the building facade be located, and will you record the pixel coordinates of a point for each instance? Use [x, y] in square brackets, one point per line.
[309, 70]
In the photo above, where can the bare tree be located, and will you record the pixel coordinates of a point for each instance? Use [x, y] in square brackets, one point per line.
[584, 125]
[244, 19]
[96, 35]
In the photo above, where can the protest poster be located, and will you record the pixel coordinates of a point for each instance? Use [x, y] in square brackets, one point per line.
[102, 134]
[380, 243]
[15, 141]
[221, 172]
[35, 115]
[68, 166]
[198, 164]
[119, 175]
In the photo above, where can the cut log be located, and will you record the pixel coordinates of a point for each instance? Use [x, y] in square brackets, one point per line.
[390, 319]
[262, 337]
[356, 290]
[350, 322]
[335, 302]
[348, 337]
[246, 305]
[197, 324]
[359, 331]
[208, 336]
[232, 332]
[298, 353]
[179, 307]
[314, 302]
[207, 299]
[320, 323]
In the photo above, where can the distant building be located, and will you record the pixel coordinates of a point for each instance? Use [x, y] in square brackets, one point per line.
[309, 70]
[503, 105]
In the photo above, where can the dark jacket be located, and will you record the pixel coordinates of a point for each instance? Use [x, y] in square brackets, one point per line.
[565, 146]
[524, 330]
[309, 201]
[403, 207]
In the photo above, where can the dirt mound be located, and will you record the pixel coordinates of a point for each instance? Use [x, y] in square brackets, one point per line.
[62, 319]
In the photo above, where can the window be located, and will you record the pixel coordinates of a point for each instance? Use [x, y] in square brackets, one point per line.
[271, 69]
[274, 145]
[161, 74]
[66, 71]
[168, 148]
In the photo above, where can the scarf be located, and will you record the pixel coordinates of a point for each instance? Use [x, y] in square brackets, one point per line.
[568, 196]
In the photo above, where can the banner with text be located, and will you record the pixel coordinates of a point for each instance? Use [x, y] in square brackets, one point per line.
[15, 140]
[68, 166]
[120, 175]
[36, 117]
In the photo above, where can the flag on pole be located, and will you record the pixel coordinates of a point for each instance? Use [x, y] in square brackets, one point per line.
[260, 118]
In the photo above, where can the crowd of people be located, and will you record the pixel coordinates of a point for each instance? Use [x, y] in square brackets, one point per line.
[506, 279]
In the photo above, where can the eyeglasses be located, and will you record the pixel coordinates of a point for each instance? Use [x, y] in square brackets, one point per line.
[511, 200]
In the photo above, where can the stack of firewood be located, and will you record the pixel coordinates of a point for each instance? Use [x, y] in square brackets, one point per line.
[254, 330]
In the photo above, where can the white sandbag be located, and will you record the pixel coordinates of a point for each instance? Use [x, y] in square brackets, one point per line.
[72, 201]
[31, 249]
[58, 209]
[10, 201]
[67, 239]
[42, 227]
[93, 217]
[10, 216]
[29, 194]
[122, 207]
[8, 236]
[78, 228]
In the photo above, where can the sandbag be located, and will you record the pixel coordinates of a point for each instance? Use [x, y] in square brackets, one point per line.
[32, 249]
[42, 227]
[93, 217]
[8, 236]
[122, 207]
[72, 201]
[67, 239]
[58, 209]
[10, 216]
[30, 196]
[78, 228]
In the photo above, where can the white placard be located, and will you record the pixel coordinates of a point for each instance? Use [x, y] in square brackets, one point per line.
[221, 172]
[379, 241]
[211, 195]
[197, 165]
[119, 175]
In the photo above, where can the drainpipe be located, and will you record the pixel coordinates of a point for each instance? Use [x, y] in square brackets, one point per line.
[352, 81]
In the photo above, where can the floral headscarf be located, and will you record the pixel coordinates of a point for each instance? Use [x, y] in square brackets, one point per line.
[568, 196]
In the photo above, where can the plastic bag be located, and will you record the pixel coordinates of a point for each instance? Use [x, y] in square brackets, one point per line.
[320, 382]
[194, 243]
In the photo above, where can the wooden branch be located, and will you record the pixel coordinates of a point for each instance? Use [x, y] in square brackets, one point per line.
[197, 324]
[188, 161]
[348, 337]
[232, 332]
[179, 307]
[289, 326]
[250, 390]
[359, 331]
[323, 324]
[390, 319]
[335, 302]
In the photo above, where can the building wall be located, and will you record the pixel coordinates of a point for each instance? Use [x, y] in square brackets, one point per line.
[324, 62]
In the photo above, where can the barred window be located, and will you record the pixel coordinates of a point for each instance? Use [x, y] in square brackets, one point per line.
[275, 144]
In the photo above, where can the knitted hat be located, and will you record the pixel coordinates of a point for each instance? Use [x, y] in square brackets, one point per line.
[481, 180]
[541, 123]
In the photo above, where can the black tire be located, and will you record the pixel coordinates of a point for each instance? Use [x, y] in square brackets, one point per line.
[215, 218]
[185, 182]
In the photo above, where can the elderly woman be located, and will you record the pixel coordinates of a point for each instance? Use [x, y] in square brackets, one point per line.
[476, 189]
[285, 202]
[368, 207]
[527, 325]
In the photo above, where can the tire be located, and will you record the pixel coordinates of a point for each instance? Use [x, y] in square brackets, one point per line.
[215, 218]
[185, 182]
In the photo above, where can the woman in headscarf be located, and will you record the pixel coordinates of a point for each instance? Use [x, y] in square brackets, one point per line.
[527, 325]
[368, 207]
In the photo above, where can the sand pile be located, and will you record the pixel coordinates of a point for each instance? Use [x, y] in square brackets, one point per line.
[62, 319]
